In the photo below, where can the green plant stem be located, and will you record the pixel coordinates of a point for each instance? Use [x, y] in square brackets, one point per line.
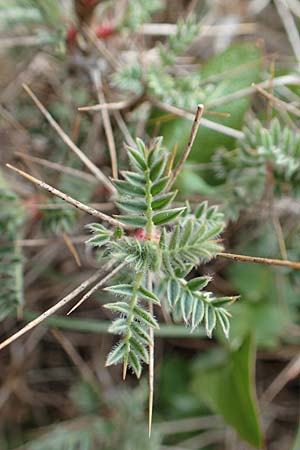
[101, 327]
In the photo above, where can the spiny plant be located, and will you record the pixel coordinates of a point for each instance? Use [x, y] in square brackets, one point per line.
[11, 265]
[166, 244]
[161, 78]
[42, 16]
[113, 423]
[264, 155]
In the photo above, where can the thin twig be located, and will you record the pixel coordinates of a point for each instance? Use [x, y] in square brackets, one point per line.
[89, 164]
[290, 372]
[189, 145]
[95, 288]
[205, 122]
[72, 248]
[113, 106]
[259, 260]
[290, 26]
[171, 159]
[276, 101]
[83, 368]
[68, 199]
[151, 359]
[96, 76]
[278, 81]
[167, 29]
[59, 167]
[53, 309]
[124, 129]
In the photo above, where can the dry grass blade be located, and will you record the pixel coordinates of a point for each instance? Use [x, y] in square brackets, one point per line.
[205, 122]
[259, 260]
[67, 198]
[72, 249]
[89, 164]
[277, 102]
[96, 76]
[53, 309]
[189, 145]
[290, 26]
[59, 167]
[95, 288]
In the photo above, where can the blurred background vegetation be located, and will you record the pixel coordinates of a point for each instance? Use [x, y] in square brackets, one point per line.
[154, 62]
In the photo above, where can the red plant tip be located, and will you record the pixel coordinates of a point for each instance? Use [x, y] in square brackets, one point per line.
[142, 235]
[72, 35]
[104, 31]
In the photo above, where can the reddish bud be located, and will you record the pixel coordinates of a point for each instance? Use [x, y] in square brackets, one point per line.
[141, 234]
[104, 31]
[72, 35]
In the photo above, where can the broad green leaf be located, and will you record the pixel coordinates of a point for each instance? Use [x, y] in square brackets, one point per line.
[173, 292]
[135, 221]
[240, 65]
[166, 216]
[116, 355]
[139, 350]
[159, 185]
[157, 169]
[137, 159]
[163, 200]
[135, 364]
[132, 205]
[147, 295]
[229, 389]
[125, 187]
[118, 326]
[121, 289]
[197, 284]
[145, 317]
[140, 332]
[187, 301]
[137, 179]
[210, 319]
[197, 312]
[121, 307]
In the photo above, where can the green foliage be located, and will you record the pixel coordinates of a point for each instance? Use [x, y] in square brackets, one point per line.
[224, 74]
[124, 428]
[177, 43]
[11, 260]
[139, 11]
[228, 388]
[42, 16]
[265, 155]
[161, 79]
[167, 241]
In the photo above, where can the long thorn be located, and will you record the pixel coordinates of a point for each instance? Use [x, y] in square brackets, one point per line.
[189, 144]
[67, 198]
[151, 362]
[259, 260]
[89, 164]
